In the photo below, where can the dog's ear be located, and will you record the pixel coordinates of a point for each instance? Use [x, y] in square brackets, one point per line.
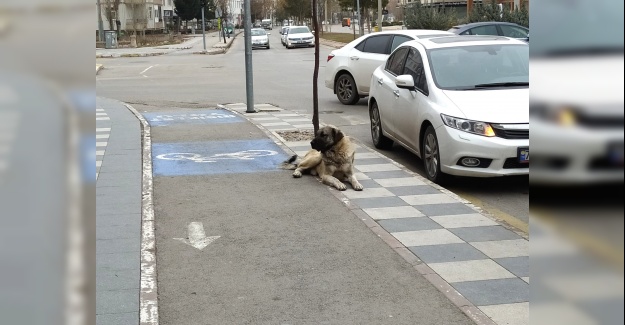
[338, 135]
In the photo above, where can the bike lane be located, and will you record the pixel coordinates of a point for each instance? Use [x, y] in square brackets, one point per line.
[239, 241]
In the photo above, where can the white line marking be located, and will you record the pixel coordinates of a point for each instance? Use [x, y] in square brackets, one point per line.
[102, 136]
[103, 129]
[102, 119]
[146, 70]
[101, 144]
[99, 153]
[98, 163]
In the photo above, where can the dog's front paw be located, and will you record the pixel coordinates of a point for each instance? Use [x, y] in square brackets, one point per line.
[297, 174]
[340, 187]
[358, 187]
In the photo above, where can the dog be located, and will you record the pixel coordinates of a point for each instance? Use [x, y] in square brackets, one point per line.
[331, 158]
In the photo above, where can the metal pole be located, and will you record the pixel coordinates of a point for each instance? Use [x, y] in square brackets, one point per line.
[203, 30]
[358, 15]
[249, 76]
[100, 23]
[379, 15]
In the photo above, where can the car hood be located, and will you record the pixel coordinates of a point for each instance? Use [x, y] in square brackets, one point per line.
[301, 35]
[493, 105]
[259, 38]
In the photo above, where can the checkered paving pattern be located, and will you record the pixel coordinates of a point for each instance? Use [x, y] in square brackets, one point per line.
[485, 262]
[103, 132]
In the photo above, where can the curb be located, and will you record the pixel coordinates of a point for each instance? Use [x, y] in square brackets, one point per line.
[148, 296]
[98, 67]
[128, 55]
[468, 308]
[336, 45]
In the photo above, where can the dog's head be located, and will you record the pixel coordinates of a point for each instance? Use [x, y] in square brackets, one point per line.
[326, 138]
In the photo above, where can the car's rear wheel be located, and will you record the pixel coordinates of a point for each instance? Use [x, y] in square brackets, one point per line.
[345, 89]
[430, 154]
[377, 136]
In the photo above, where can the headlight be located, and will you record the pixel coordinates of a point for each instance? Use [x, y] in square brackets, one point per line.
[562, 115]
[475, 127]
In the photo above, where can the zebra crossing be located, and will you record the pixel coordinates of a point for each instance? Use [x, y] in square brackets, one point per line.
[102, 135]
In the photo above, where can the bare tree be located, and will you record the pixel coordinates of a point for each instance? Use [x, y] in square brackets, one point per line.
[111, 11]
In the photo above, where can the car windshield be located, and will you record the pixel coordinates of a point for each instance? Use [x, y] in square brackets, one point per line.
[577, 28]
[258, 32]
[480, 66]
[298, 30]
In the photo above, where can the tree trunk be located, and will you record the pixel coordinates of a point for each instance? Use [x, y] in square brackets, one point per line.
[315, 117]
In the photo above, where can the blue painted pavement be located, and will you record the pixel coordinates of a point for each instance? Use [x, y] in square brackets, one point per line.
[211, 116]
[216, 157]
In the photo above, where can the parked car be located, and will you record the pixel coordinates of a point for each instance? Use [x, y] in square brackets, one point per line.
[283, 32]
[260, 38]
[493, 28]
[299, 36]
[460, 103]
[348, 70]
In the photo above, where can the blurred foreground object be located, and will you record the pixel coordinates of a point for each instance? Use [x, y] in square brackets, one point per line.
[46, 205]
[576, 96]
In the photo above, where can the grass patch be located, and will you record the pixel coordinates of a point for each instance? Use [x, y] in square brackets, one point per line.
[338, 37]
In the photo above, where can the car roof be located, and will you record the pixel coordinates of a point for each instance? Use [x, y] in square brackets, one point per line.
[482, 23]
[465, 40]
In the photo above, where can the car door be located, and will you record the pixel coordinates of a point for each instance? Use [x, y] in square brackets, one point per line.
[387, 90]
[411, 103]
[366, 57]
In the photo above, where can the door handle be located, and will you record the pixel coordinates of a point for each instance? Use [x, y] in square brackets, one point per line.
[381, 81]
[354, 57]
[396, 92]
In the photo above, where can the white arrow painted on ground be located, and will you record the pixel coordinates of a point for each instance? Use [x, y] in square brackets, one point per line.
[197, 236]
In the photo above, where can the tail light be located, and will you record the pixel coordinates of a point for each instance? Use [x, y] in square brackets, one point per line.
[330, 56]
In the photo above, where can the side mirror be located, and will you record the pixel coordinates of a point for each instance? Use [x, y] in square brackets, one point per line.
[405, 81]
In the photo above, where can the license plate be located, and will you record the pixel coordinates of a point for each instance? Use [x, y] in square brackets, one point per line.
[301, 42]
[524, 155]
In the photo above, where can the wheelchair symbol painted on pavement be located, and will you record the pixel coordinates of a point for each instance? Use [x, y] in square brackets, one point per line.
[240, 155]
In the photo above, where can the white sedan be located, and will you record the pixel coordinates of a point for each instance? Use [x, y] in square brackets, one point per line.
[458, 102]
[348, 69]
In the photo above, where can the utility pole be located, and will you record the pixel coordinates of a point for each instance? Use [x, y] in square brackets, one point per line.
[358, 15]
[203, 26]
[249, 75]
[100, 23]
[380, 15]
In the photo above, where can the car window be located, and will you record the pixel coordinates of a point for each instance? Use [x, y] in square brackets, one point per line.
[395, 62]
[398, 40]
[258, 32]
[377, 44]
[464, 67]
[484, 30]
[414, 67]
[466, 32]
[514, 31]
[299, 30]
[361, 46]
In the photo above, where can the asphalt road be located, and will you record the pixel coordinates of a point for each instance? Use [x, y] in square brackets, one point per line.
[283, 78]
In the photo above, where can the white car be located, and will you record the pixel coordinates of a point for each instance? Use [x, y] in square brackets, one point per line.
[348, 70]
[283, 31]
[299, 36]
[458, 102]
[260, 38]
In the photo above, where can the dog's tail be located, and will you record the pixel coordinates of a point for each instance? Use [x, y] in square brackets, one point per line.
[290, 163]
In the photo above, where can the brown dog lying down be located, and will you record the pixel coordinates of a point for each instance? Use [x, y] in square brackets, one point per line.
[331, 157]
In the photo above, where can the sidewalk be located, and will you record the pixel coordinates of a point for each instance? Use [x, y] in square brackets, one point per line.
[241, 241]
[118, 214]
[470, 257]
[194, 44]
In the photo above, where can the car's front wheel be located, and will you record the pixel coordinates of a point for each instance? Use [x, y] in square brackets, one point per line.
[377, 136]
[430, 154]
[345, 89]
